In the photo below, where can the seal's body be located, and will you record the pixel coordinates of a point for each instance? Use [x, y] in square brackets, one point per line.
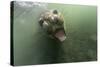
[53, 23]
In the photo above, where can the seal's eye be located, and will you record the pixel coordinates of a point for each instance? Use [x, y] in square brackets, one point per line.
[55, 11]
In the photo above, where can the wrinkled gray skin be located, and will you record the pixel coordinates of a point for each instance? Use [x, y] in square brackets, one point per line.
[53, 24]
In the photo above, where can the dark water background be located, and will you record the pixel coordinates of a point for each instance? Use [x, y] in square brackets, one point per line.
[33, 46]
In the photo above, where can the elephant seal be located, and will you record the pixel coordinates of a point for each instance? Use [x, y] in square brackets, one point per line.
[53, 23]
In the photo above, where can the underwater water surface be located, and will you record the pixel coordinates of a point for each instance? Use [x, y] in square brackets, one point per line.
[32, 46]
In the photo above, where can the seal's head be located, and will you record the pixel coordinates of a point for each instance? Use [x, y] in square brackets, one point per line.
[53, 23]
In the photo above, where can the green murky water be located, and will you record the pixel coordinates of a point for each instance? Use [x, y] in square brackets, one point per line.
[33, 46]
